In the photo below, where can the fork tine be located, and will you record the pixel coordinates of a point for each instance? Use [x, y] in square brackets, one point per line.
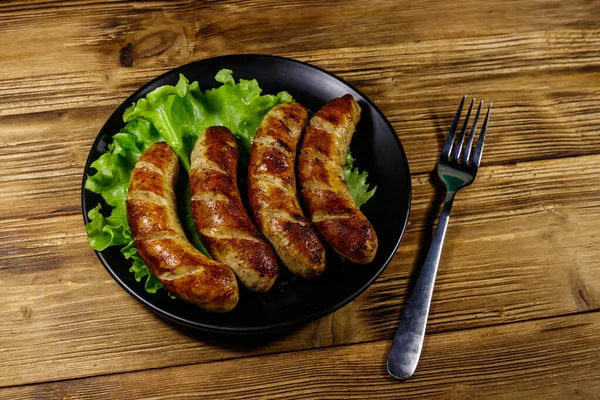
[479, 148]
[452, 132]
[461, 139]
[469, 145]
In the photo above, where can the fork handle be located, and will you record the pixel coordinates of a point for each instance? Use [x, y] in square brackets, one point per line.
[408, 341]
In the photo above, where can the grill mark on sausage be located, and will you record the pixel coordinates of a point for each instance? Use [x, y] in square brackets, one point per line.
[274, 143]
[213, 182]
[159, 235]
[149, 166]
[274, 181]
[285, 216]
[158, 157]
[325, 217]
[317, 154]
[149, 181]
[209, 196]
[274, 161]
[315, 185]
[146, 217]
[321, 124]
[229, 233]
[209, 165]
[181, 272]
[144, 195]
[291, 120]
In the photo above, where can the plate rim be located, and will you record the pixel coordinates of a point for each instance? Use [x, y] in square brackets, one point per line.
[277, 327]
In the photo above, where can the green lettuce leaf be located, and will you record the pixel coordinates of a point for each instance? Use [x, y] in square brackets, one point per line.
[357, 182]
[107, 231]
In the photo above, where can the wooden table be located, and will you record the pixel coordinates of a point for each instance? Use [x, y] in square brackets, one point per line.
[515, 310]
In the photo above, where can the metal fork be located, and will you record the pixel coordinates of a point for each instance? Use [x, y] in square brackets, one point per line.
[457, 170]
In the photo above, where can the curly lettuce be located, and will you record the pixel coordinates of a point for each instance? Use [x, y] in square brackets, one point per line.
[181, 112]
[177, 115]
[357, 182]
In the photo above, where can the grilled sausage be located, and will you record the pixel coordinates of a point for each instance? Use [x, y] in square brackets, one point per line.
[220, 218]
[323, 186]
[160, 239]
[273, 194]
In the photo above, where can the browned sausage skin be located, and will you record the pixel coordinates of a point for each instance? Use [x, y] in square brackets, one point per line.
[323, 186]
[160, 239]
[273, 193]
[219, 215]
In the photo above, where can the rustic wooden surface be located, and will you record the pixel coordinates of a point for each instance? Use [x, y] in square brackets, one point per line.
[515, 311]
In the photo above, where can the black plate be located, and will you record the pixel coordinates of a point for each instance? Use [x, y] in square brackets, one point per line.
[291, 302]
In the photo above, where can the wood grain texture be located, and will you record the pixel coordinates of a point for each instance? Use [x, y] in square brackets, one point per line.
[514, 252]
[81, 63]
[543, 86]
[515, 309]
[523, 360]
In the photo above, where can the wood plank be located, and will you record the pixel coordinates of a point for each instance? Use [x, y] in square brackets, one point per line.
[242, 26]
[515, 251]
[42, 171]
[554, 358]
[81, 66]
